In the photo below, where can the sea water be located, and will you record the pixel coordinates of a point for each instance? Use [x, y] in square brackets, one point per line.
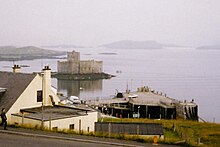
[181, 73]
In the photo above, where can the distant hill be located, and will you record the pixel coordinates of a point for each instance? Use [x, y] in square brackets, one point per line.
[26, 53]
[62, 46]
[209, 47]
[129, 44]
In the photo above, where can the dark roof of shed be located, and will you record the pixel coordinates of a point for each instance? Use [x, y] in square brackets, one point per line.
[52, 112]
[15, 83]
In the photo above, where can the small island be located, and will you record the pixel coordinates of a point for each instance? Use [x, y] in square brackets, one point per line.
[209, 47]
[130, 44]
[75, 69]
[12, 53]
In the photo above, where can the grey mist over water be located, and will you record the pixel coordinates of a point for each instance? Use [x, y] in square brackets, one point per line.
[183, 74]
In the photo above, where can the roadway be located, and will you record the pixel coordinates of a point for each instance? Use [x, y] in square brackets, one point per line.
[20, 137]
[12, 140]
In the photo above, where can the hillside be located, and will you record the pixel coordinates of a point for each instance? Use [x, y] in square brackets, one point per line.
[128, 44]
[63, 46]
[26, 53]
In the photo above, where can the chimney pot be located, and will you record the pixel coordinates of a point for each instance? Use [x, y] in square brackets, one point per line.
[47, 68]
[16, 68]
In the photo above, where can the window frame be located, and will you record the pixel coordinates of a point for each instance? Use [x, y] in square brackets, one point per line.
[40, 97]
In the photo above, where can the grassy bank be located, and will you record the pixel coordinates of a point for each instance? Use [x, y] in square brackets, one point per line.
[176, 131]
[180, 132]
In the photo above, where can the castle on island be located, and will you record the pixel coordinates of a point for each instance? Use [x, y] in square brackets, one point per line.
[73, 65]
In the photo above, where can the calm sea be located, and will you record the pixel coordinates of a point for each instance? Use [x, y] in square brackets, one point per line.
[183, 74]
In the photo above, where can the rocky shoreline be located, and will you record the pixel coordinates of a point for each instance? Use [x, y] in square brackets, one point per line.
[91, 76]
[28, 57]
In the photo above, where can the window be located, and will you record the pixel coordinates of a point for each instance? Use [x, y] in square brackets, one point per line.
[39, 96]
[71, 126]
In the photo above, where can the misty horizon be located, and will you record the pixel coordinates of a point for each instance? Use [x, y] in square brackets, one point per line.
[97, 22]
[62, 45]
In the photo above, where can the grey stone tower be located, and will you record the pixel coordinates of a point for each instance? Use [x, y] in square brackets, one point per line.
[73, 56]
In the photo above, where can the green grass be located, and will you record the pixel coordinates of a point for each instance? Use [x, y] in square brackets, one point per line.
[179, 130]
[175, 131]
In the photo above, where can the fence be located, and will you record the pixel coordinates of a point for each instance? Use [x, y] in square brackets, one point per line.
[129, 128]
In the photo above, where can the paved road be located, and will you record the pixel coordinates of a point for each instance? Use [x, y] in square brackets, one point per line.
[21, 137]
[11, 140]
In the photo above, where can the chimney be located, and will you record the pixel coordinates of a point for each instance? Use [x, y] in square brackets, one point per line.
[16, 68]
[46, 86]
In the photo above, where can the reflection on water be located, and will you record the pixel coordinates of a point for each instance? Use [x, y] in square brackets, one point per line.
[74, 87]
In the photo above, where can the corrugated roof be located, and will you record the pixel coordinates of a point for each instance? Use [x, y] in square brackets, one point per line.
[15, 83]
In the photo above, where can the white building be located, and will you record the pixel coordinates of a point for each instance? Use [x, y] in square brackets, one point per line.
[29, 99]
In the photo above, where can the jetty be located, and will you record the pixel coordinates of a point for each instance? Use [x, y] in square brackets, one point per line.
[146, 103]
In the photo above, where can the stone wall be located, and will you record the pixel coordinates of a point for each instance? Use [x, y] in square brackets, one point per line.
[90, 66]
[73, 65]
[73, 56]
[68, 67]
[98, 67]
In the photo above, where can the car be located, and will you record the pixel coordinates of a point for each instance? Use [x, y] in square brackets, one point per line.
[75, 99]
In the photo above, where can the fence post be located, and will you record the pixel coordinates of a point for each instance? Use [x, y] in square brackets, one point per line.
[109, 129]
[198, 141]
[80, 126]
[138, 129]
[49, 123]
[22, 121]
[186, 136]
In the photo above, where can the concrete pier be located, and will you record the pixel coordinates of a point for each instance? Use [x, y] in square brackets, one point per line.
[145, 103]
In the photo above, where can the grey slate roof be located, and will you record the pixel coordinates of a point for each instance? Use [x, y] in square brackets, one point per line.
[52, 112]
[15, 83]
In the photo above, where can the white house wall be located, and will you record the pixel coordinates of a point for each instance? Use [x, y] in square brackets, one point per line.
[28, 99]
[87, 122]
[26, 121]
[55, 97]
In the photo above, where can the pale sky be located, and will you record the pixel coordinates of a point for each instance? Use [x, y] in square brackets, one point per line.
[96, 22]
